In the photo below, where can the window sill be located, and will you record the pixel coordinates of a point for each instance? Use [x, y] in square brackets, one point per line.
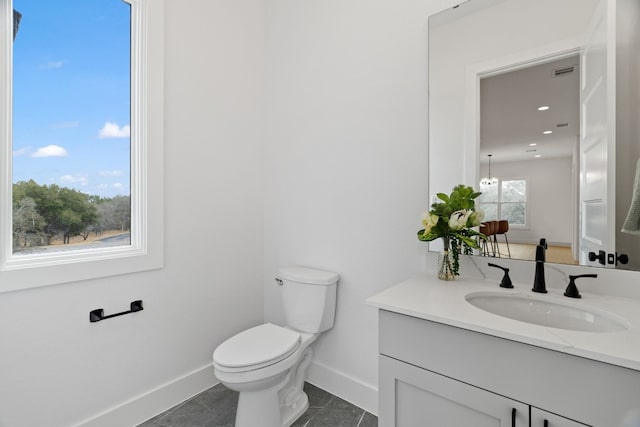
[25, 272]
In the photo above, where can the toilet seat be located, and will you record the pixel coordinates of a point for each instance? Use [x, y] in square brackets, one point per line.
[256, 348]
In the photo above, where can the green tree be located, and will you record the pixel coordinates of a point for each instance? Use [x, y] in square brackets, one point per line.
[77, 215]
[63, 210]
[27, 223]
[115, 213]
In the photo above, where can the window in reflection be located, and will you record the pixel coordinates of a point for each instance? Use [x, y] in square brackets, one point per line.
[507, 200]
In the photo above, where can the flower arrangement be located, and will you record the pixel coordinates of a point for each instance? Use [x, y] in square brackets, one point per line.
[453, 220]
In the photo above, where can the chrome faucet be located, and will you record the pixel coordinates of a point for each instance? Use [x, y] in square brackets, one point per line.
[539, 284]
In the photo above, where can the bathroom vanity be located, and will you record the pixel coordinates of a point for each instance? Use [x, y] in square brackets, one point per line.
[447, 363]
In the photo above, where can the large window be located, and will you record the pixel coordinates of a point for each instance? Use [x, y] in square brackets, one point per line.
[81, 106]
[71, 125]
[506, 200]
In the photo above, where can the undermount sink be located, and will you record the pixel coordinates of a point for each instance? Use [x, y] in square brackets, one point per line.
[545, 312]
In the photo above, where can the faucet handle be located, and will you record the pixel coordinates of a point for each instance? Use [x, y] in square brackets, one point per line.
[572, 289]
[543, 243]
[506, 280]
[540, 252]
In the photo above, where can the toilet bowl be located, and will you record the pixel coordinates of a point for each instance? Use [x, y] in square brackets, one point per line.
[267, 364]
[263, 370]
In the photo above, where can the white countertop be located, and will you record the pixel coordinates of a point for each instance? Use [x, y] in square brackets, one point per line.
[427, 297]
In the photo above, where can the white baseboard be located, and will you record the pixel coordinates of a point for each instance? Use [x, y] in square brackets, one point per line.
[344, 386]
[155, 401]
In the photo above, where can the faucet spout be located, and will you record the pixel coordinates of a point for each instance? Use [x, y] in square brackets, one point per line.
[541, 252]
[539, 284]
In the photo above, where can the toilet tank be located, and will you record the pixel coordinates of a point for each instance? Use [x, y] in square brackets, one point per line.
[308, 297]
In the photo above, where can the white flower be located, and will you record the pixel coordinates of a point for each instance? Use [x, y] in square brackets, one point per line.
[458, 219]
[428, 221]
[476, 218]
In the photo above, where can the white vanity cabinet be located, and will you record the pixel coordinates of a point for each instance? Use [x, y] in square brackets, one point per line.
[434, 374]
[414, 396]
[417, 397]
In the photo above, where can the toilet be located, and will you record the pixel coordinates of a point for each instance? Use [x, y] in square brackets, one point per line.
[267, 364]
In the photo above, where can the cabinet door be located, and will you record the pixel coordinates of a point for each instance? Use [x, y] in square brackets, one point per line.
[411, 397]
[540, 418]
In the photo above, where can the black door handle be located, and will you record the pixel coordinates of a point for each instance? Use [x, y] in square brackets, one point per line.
[513, 417]
[546, 423]
[601, 257]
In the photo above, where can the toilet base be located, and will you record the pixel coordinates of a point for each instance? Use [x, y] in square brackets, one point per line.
[293, 400]
[260, 408]
[291, 413]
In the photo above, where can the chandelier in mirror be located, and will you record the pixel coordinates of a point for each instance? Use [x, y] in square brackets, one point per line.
[489, 181]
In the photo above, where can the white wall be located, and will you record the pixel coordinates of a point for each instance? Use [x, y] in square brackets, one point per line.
[57, 369]
[550, 198]
[346, 179]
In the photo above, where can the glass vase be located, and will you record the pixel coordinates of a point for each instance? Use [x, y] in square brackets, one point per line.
[445, 266]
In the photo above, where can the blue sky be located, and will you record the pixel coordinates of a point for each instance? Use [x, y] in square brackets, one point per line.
[71, 95]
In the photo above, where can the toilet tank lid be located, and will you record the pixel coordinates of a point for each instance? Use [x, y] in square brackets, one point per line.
[308, 275]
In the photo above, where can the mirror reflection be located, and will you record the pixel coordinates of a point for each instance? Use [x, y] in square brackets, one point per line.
[522, 101]
[529, 137]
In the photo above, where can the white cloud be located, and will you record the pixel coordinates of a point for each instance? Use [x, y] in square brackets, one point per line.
[52, 64]
[110, 173]
[50, 151]
[75, 179]
[118, 185]
[21, 152]
[112, 130]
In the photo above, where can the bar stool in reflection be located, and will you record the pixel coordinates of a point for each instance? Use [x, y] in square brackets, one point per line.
[489, 228]
[503, 227]
[484, 247]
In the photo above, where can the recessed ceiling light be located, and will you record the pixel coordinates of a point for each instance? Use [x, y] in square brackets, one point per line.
[543, 108]
[547, 132]
[538, 155]
[533, 144]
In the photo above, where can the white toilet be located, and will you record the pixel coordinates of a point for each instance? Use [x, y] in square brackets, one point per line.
[267, 364]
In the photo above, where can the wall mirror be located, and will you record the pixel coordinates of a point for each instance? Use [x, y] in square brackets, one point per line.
[542, 97]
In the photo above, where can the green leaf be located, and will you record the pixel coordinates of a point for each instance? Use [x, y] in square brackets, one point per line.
[427, 237]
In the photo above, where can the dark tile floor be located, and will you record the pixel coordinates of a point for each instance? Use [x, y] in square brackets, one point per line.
[216, 407]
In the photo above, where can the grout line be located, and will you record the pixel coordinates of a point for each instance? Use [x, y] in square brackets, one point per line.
[328, 402]
[361, 418]
[308, 423]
